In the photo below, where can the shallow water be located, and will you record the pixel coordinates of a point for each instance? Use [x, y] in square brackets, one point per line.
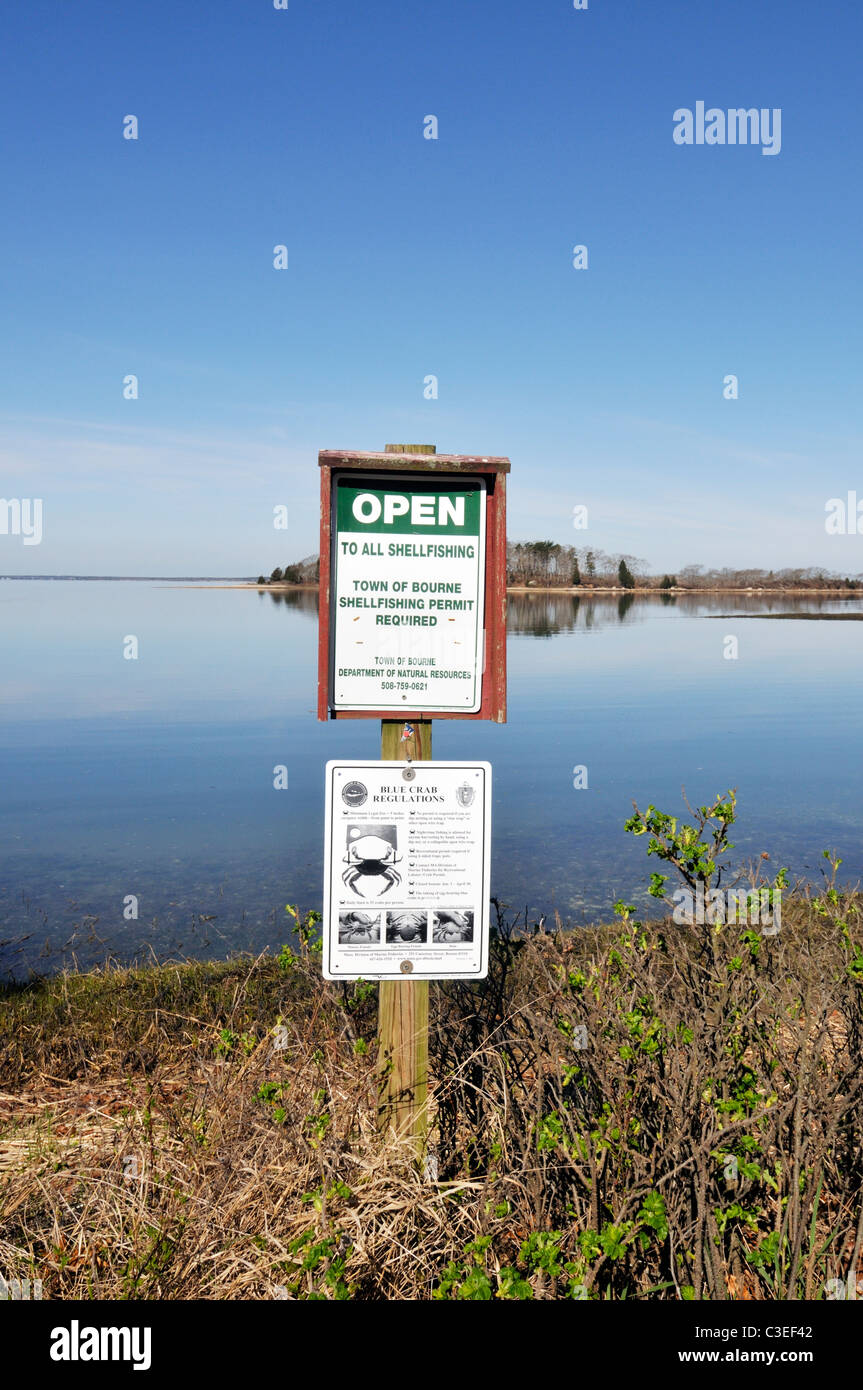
[154, 777]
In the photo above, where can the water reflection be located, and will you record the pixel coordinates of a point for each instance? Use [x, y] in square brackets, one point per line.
[156, 778]
[547, 614]
[300, 600]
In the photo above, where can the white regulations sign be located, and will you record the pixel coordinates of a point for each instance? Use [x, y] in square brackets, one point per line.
[407, 593]
[407, 870]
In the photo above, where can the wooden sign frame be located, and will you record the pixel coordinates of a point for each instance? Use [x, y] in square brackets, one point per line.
[335, 463]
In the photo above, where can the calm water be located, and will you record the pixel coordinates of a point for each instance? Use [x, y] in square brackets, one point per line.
[155, 777]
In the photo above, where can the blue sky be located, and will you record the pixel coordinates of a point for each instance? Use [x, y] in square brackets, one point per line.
[410, 257]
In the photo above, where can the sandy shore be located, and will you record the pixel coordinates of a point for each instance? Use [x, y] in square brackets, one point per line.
[582, 592]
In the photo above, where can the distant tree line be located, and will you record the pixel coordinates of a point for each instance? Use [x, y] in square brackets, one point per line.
[548, 565]
[303, 572]
[805, 577]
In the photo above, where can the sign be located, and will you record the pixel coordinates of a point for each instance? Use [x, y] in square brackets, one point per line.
[407, 593]
[407, 872]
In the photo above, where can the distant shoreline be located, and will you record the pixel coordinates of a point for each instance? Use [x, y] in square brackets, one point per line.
[578, 591]
[583, 591]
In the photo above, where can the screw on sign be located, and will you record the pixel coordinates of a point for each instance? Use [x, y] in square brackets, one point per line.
[412, 626]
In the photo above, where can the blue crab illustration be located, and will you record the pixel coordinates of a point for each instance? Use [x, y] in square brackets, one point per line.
[371, 857]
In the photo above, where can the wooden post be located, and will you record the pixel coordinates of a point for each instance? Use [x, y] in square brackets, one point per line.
[403, 1005]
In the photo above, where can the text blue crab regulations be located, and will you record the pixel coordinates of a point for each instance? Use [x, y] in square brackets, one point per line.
[408, 567]
[407, 870]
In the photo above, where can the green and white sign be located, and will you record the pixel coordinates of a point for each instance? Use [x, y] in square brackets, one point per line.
[408, 567]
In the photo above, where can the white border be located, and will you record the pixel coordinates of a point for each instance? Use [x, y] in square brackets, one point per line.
[484, 915]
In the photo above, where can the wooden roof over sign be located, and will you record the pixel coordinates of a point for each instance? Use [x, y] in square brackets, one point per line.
[413, 463]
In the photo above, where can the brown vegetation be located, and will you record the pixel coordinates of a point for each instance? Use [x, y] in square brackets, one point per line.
[209, 1130]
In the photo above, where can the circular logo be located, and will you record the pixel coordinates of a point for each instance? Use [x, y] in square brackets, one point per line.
[406, 967]
[354, 794]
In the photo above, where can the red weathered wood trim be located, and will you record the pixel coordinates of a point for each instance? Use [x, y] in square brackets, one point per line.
[324, 580]
[494, 470]
[413, 463]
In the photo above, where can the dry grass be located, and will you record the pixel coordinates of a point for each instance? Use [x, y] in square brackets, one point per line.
[209, 1131]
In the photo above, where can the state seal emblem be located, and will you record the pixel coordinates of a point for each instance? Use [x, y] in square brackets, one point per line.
[465, 794]
[354, 794]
